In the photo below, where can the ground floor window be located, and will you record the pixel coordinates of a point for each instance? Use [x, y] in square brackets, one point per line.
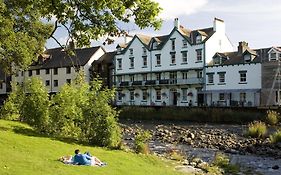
[144, 95]
[158, 94]
[132, 95]
[119, 95]
[221, 97]
[184, 94]
[242, 96]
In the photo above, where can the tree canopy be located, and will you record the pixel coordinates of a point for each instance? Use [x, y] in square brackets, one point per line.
[25, 25]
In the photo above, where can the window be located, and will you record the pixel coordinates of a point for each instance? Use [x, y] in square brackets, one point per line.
[173, 58]
[30, 73]
[144, 95]
[68, 81]
[198, 39]
[199, 54]
[119, 94]
[217, 60]
[184, 75]
[173, 77]
[173, 44]
[221, 97]
[37, 71]
[131, 51]
[55, 71]
[243, 76]
[144, 61]
[144, 77]
[158, 76]
[184, 57]
[158, 60]
[132, 95]
[184, 43]
[47, 83]
[132, 78]
[68, 70]
[210, 78]
[199, 74]
[119, 79]
[132, 62]
[1, 85]
[144, 51]
[158, 94]
[119, 61]
[184, 94]
[56, 83]
[242, 96]
[273, 56]
[221, 77]
[47, 71]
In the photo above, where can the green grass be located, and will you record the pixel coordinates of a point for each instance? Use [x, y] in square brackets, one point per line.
[25, 153]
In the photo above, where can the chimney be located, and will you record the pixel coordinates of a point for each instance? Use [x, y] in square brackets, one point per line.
[243, 45]
[219, 25]
[177, 23]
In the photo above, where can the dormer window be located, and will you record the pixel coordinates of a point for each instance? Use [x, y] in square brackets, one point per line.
[118, 49]
[131, 51]
[173, 44]
[184, 43]
[272, 56]
[216, 60]
[247, 58]
[198, 39]
[154, 45]
[144, 51]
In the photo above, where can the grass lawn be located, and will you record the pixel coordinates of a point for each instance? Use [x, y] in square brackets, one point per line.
[24, 153]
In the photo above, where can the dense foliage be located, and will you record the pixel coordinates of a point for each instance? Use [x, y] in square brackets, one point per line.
[80, 111]
[25, 25]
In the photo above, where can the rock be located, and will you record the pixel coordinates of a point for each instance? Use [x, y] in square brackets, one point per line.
[185, 162]
[275, 167]
[191, 135]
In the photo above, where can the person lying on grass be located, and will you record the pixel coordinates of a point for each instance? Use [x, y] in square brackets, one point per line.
[82, 159]
[86, 159]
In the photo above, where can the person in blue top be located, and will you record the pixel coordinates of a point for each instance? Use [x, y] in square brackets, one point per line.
[86, 159]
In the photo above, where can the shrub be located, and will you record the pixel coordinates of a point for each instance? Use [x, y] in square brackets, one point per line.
[35, 109]
[222, 161]
[275, 137]
[272, 117]
[257, 129]
[141, 141]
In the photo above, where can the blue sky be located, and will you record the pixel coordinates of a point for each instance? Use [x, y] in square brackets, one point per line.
[257, 22]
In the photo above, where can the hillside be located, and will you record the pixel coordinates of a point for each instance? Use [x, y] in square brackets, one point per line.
[25, 153]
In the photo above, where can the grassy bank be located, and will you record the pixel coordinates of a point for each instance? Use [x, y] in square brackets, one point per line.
[25, 153]
[216, 115]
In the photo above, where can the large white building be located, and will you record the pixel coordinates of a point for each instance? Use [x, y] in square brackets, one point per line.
[169, 69]
[56, 67]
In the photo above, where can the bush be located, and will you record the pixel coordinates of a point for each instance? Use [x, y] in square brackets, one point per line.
[257, 129]
[272, 117]
[141, 141]
[275, 137]
[222, 161]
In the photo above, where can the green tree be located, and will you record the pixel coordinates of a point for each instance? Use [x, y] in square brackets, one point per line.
[35, 107]
[25, 25]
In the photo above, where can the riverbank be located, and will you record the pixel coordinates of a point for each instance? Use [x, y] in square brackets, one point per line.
[204, 140]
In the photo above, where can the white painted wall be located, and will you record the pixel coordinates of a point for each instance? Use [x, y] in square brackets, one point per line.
[232, 77]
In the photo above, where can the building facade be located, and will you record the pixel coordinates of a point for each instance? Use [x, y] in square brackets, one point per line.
[169, 69]
[56, 67]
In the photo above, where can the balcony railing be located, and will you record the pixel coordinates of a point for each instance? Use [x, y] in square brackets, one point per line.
[189, 81]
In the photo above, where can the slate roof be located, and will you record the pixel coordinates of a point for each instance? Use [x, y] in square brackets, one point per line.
[106, 58]
[56, 58]
[261, 55]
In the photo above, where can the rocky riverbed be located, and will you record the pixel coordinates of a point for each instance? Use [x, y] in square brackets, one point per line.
[204, 140]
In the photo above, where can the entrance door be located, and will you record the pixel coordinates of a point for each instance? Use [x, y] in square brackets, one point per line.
[200, 99]
[175, 98]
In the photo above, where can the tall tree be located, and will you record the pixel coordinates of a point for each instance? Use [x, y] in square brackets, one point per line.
[25, 25]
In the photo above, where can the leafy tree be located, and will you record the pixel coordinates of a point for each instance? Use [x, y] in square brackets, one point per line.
[12, 107]
[25, 25]
[35, 108]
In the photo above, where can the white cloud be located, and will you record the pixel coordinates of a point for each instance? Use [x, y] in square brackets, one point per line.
[175, 8]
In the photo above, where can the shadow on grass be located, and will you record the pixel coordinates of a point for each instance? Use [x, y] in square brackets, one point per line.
[4, 128]
[34, 133]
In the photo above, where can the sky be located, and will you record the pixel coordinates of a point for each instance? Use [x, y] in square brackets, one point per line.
[257, 22]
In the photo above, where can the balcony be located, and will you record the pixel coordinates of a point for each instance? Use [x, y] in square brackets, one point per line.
[124, 83]
[163, 81]
[137, 83]
[193, 80]
[150, 82]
